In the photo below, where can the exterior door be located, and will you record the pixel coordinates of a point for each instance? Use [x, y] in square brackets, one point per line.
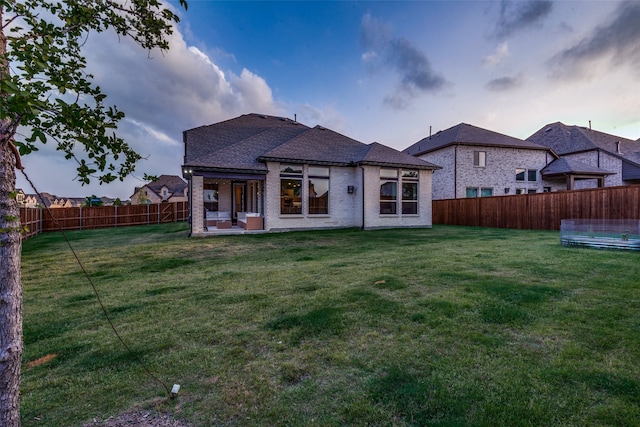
[238, 199]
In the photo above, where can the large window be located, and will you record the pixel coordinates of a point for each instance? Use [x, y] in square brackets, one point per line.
[318, 190]
[388, 191]
[409, 192]
[290, 189]
[530, 175]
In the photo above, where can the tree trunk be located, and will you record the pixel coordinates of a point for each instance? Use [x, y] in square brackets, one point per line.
[10, 286]
[10, 292]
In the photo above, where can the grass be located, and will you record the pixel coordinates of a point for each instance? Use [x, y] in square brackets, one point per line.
[447, 326]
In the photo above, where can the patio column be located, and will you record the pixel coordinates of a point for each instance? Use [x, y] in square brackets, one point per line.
[197, 205]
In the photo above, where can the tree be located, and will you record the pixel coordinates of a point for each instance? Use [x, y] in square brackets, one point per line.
[93, 200]
[46, 91]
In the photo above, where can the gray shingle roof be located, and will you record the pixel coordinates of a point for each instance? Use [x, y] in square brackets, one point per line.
[381, 155]
[564, 166]
[466, 134]
[319, 145]
[174, 184]
[203, 141]
[565, 139]
[246, 142]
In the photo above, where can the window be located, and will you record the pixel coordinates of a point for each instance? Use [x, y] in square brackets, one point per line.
[486, 192]
[483, 192]
[388, 191]
[210, 196]
[409, 192]
[318, 190]
[546, 190]
[480, 158]
[532, 191]
[519, 190]
[531, 175]
[290, 189]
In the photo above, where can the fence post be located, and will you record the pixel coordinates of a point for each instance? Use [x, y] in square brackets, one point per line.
[80, 217]
[148, 215]
[116, 218]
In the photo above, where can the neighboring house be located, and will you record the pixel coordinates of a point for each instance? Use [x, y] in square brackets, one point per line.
[167, 188]
[50, 200]
[295, 177]
[26, 200]
[591, 158]
[476, 162]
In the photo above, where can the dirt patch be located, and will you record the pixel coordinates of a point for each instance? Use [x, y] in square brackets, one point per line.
[139, 419]
[41, 360]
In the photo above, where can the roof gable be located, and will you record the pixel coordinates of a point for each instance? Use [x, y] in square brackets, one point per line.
[465, 134]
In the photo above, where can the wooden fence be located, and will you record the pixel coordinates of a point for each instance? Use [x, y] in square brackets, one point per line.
[541, 211]
[37, 220]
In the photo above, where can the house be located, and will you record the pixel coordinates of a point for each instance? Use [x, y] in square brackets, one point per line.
[284, 175]
[50, 200]
[26, 200]
[167, 188]
[477, 162]
[591, 158]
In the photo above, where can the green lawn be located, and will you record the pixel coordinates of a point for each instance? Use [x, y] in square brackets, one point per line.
[450, 326]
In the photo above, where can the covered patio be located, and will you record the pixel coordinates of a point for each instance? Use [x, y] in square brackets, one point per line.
[230, 203]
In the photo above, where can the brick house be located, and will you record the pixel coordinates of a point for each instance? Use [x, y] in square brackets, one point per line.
[167, 188]
[593, 159]
[477, 162]
[290, 176]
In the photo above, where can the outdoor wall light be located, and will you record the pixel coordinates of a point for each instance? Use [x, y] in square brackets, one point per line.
[351, 189]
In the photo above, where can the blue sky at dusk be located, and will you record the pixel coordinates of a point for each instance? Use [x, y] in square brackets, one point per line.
[373, 70]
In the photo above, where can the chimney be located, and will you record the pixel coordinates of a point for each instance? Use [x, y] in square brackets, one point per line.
[589, 124]
[618, 147]
[429, 132]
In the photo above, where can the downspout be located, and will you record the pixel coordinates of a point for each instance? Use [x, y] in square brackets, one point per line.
[455, 171]
[363, 209]
[190, 205]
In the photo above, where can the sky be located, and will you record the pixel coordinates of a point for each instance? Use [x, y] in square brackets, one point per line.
[377, 71]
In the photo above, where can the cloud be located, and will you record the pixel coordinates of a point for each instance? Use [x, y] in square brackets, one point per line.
[162, 94]
[501, 52]
[383, 50]
[520, 15]
[327, 117]
[374, 33]
[506, 83]
[616, 42]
